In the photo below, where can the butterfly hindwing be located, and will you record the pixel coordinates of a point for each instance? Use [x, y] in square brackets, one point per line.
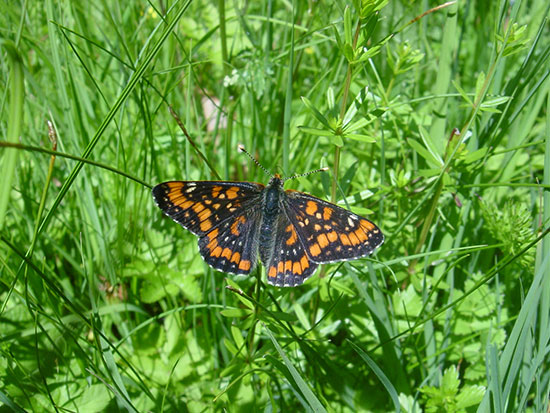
[232, 246]
[200, 206]
[289, 264]
[328, 232]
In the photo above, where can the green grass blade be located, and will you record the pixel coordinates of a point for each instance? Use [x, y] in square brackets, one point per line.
[303, 387]
[17, 95]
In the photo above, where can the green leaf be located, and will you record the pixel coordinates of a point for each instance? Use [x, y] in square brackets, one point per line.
[147, 340]
[237, 336]
[475, 155]
[315, 112]
[315, 131]
[277, 315]
[360, 137]
[348, 33]
[361, 123]
[357, 103]
[302, 317]
[479, 85]
[242, 299]
[470, 396]
[330, 97]
[463, 93]
[371, 6]
[423, 152]
[449, 381]
[95, 398]
[367, 53]
[349, 52]
[230, 346]
[236, 312]
[495, 101]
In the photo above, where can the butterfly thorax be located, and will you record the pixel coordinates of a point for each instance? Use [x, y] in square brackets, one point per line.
[271, 210]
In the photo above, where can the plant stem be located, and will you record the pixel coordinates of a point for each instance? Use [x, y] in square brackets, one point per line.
[256, 311]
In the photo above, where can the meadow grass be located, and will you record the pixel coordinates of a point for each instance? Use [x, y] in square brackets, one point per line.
[433, 121]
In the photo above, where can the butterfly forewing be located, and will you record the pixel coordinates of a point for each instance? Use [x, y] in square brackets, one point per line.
[225, 216]
[200, 206]
[328, 232]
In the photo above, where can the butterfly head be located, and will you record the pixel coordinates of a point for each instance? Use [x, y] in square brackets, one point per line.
[276, 181]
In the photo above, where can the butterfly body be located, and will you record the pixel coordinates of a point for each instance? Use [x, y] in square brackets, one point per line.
[292, 232]
[271, 208]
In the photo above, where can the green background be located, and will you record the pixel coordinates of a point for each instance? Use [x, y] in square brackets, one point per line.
[433, 121]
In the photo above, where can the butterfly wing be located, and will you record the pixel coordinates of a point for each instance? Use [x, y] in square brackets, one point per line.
[225, 216]
[328, 232]
[289, 264]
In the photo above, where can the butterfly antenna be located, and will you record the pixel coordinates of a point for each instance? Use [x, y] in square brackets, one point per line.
[306, 174]
[242, 149]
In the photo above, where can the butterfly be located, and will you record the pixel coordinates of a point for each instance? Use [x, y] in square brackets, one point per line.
[292, 232]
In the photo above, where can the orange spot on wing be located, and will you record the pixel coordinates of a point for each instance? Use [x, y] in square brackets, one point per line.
[366, 225]
[198, 207]
[185, 205]
[212, 236]
[244, 265]
[304, 262]
[205, 225]
[236, 257]
[345, 239]
[174, 185]
[205, 213]
[353, 238]
[235, 225]
[226, 253]
[314, 250]
[232, 192]
[272, 272]
[323, 241]
[288, 265]
[327, 212]
[293, 237]
[216, 191]
[297, 268]
[216, 252]
[361, 234]
[332, 236]
[280, 266]
[311, 208]
[176, 197]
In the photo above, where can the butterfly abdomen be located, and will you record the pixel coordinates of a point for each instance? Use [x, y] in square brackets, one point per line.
[269, 222]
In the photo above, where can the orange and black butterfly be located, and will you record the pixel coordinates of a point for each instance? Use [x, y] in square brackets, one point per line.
[292, 232]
